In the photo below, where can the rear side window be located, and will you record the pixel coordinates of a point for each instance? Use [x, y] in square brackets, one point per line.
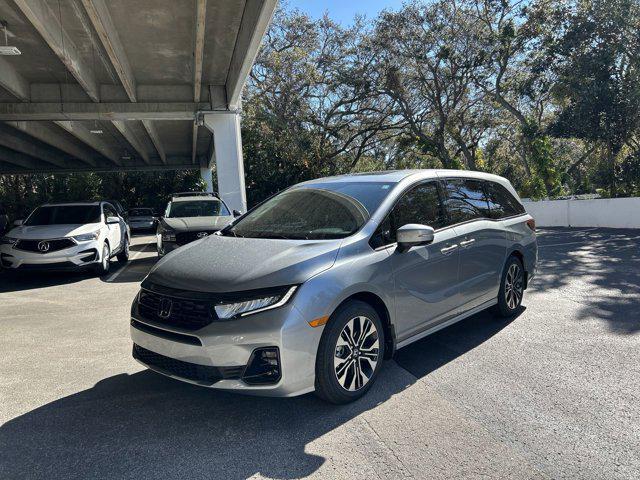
[502, 203]
[465, 200]
[421, 205]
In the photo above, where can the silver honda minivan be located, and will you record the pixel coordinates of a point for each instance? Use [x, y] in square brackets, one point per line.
[313, 288]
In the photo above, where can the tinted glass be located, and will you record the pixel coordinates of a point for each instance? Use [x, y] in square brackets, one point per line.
[197, 208]
[369, 194]
[465, 200]
[141, 212]
[109, 211]
[65, 215]
[501, 202]
[419, 205]
[303, 213]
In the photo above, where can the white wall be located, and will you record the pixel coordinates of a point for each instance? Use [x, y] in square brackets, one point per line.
[602, 212]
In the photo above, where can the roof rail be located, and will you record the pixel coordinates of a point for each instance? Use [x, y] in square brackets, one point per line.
[195, 194]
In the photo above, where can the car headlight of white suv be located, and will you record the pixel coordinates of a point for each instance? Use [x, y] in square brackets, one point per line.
[87, 237]
[8, 241]
[259, 304]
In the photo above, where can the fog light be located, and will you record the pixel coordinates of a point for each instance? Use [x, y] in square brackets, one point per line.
[263, 367]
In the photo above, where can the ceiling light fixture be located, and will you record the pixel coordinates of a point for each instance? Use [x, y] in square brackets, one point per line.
[6, 49]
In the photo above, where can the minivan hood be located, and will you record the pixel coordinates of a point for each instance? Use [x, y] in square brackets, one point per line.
[42, 232]
[229, 264]
[198, 223]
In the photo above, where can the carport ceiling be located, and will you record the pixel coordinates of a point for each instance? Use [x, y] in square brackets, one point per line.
[103, 85]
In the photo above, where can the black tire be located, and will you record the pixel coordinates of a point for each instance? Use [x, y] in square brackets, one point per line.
[511, 288]
[102, 268]
[328, 386]
[123, 256]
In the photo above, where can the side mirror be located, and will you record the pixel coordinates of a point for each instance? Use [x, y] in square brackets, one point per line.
[112, 220]
[17, 223]
[237, 213]
[413, 234]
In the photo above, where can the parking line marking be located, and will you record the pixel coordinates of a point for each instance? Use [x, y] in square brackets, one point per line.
[115, 274]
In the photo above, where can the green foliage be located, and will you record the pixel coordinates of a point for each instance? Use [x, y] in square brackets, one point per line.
[20, 194]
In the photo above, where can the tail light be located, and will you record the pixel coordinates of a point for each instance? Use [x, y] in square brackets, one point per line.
[531, 224]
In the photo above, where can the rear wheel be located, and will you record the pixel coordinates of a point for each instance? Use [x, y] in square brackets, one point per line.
[350, 353]
[123, 256]
[511, 287]
[102, 268]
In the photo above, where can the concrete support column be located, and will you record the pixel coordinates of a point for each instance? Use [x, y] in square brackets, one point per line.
[228, 157]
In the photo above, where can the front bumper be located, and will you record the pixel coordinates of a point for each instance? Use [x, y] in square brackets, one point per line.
[227, 347]
[142, 224]
[78, 256]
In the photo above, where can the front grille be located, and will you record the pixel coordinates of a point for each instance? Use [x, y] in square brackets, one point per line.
[191, 371]
[182, 238]
[181, 312]
[54, 245]
[158, 332]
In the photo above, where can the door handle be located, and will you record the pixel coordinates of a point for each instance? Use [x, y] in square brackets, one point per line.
[467, 242]
[448, 250]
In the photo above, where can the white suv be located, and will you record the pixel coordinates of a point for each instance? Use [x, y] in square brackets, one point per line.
[67, 236]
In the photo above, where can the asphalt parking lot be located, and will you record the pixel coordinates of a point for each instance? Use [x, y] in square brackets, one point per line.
[553, 393]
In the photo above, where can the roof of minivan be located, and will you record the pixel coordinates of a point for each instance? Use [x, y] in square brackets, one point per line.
[395, 176]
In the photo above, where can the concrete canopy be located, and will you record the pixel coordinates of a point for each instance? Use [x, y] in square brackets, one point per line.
[107, 85]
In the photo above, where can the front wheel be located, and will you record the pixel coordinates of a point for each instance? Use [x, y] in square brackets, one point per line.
[511, 288]
[123, 256]
[102, 268]
[350, 353]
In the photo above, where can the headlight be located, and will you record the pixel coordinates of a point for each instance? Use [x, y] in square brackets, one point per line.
[254, 305]
[168, 236]
[8, 240]
[87, 237]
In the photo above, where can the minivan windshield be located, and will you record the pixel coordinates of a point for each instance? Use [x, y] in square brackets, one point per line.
[197, 208]
[314, 212]
[64, 215]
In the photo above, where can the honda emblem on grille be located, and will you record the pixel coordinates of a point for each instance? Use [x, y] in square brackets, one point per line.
[164, 309]
[43, 246]
[202, 234]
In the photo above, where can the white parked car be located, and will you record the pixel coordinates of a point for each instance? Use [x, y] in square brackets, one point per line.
[67, 236]
[142, 219]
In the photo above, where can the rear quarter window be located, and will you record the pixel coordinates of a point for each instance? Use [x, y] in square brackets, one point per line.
[502, 203]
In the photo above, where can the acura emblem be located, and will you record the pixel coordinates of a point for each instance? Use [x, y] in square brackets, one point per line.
[202, 234]
[43, 246]
[164, 309]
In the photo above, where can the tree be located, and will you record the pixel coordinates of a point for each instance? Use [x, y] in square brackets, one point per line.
[427, 58]
[597, 58]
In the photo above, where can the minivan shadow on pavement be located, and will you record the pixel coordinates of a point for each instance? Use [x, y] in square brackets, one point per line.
[147, 426]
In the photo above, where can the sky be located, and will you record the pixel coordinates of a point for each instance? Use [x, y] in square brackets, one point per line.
[343, 11]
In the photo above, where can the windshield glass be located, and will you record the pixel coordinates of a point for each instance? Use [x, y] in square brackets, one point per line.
[197, 208]
[65, 215]
[141, 212]
[309, 212]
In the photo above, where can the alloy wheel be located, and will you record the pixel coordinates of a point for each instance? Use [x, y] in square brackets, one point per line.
[513, 286]
[356, 353]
